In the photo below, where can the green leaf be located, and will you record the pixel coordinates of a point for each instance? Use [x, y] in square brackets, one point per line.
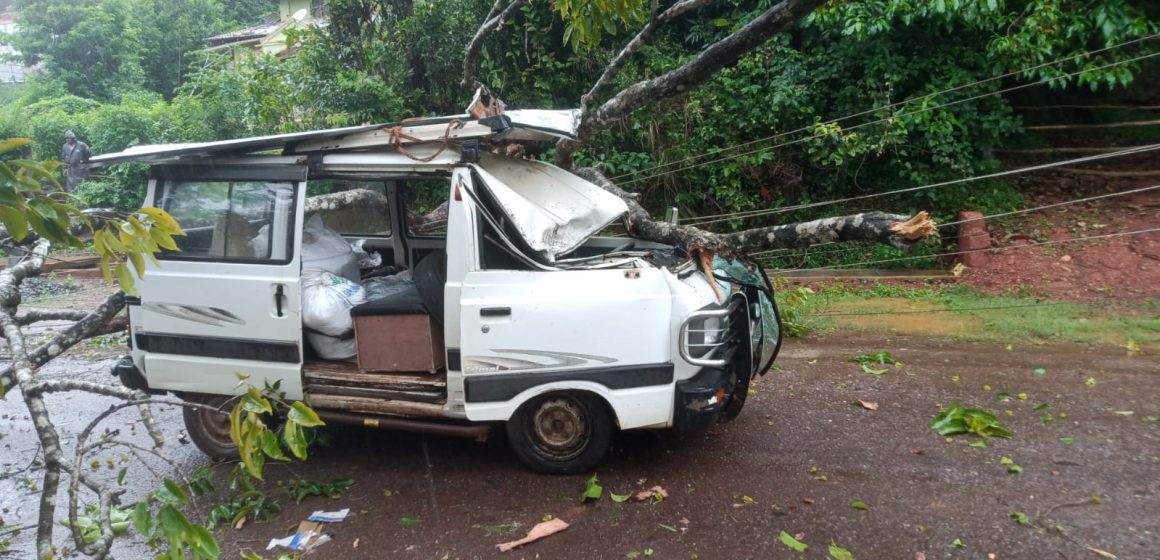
[620, 498]
[295, 440]
[957, 543]
[121, 476]
[860, 505]
[202, 542]
[271, 447]
[592, 490]
[163, 220]
[254, 401]
[176, 490]
[408, 521]
[1040, 372]
[1040, 406]
[14, 221]
[1021, 518]
[138, 263]
[788, 540]
[163, 239]
[13, 143]
[304, 415]
[1014, 469]
[125, 279]
[142, 519]
[1067, 440]
[866, 368]
[839, 553]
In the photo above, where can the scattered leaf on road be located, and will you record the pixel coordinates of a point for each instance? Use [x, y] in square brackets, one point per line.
[860, 505]
[1040, 372]
[1040, 406]
[788, 540]
[1006, 461]
[1102, 553]
[868, 405]
[541, 530]
[1091, 382]
[620, 498]
[1014, 469]
[957, 543]
[656, 492]
[1067, 440]
[839, 553]
[958, 420]
[409, 521]
[1021, 518]
[1125, 412]
[592, 490]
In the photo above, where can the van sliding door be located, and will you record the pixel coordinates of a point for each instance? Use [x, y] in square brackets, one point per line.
[228, 302]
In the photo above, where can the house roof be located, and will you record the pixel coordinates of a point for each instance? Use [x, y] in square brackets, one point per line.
[268, 26]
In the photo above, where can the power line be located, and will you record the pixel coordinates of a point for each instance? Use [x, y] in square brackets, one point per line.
[1029, 169]
[1032, 244]
[896, 104]
[987, 217]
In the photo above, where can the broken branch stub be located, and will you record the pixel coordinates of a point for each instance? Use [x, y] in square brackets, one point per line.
[898, 230]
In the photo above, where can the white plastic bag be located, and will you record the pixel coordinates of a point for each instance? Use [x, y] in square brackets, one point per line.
[326, 302]
[332, 348]
[365, 260]
[324, 250]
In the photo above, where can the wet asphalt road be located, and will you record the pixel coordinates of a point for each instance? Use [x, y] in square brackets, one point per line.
[795, 461]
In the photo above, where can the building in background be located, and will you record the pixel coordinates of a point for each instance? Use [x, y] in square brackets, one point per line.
[269, 37]
[12, 70]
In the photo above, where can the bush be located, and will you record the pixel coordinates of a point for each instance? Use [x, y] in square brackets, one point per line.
[111, 194]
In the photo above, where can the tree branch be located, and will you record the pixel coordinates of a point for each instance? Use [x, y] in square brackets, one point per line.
[38, 315]
[495, 19]
[90, 325]
[895, 229]
[687, 76]
[635, 45]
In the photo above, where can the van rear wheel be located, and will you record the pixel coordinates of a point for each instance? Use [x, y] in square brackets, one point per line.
[209, 425]
[561, 433]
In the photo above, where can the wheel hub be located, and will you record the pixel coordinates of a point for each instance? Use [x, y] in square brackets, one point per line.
[559, 424]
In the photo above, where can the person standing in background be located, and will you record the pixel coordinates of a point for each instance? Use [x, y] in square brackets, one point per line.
[74, 154]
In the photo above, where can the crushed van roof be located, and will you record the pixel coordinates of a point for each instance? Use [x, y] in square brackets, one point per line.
[522, 125]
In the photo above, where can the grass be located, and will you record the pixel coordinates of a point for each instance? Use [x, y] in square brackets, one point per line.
[960, 312]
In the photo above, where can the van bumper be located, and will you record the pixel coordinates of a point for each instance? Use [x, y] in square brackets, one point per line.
[130, 376]
[700, 400]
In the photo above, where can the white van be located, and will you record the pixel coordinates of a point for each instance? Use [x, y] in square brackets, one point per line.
[514, 313]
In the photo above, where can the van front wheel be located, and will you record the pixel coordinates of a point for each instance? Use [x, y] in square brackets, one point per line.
[208, 425]
[561, 433]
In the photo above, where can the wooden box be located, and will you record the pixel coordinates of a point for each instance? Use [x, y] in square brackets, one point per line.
[398, 343]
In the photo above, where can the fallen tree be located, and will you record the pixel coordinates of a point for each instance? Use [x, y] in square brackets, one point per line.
[600, 110]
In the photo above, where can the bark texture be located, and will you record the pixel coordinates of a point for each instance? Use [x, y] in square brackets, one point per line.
[899, 230]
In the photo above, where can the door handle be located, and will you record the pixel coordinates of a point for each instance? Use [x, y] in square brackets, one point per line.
[279, 294]
[495, 312]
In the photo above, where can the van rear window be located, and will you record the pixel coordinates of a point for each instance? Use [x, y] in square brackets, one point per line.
[244, 221]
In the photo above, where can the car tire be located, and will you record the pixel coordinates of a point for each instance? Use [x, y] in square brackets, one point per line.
[561, 433]
[208, 425]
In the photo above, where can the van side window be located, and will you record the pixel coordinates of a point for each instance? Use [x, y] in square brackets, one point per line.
[245, 221]
[366, 209]
[426, 202]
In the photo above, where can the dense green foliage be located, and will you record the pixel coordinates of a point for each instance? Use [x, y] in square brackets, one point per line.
[384, 60]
